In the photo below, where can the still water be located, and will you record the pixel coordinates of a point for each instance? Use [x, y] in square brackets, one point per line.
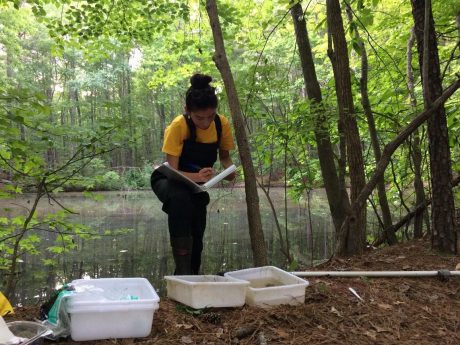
[142, 248]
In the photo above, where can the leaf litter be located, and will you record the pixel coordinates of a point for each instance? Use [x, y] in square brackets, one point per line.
[418, 311]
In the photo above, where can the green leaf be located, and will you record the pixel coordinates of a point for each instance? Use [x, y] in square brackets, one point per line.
[356, 47]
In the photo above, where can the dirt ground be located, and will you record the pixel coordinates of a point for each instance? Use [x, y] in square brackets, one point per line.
[393, 311]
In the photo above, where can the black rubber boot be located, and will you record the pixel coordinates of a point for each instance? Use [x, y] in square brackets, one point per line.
[182, 253]
[196, 253]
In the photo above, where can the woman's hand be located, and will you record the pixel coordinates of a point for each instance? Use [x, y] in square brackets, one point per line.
[205, 174]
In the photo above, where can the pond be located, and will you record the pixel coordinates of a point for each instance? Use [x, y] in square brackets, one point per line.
[142, 248]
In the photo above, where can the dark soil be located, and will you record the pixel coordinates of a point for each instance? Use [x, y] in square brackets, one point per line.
[394, 311]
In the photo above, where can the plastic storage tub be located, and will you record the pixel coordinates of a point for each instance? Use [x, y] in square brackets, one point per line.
[111, 308]
[270, 286]
[205, 291]
[32, 332]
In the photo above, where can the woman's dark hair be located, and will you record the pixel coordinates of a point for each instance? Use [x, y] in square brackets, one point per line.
[200, 95]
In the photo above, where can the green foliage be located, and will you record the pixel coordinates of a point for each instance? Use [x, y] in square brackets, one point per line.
[189, 310]
[138, 178]
[111, 180]
[87, 87]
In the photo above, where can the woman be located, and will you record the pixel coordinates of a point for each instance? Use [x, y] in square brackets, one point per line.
[191, 144]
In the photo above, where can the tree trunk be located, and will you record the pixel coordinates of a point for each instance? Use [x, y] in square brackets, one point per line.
[162, 116]
[337, 197]
[365, 102]
[77, 105]
[416, 152]
[132, 151]
[444, 234]
[252, 199]
[71, 108]
[352, 239]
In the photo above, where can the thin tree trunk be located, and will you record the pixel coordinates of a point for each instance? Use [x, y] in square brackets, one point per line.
[337, 197]
[132, 151]
[444, 234]
[416, 151]
[93, 107]
[71, 108]
[162, 116]
[12, 276]
[77, 106]
[71, 93]
[10, 79]
[418, 209]
[352, 239]
[457, 20]
[252, 199]
[365, 102]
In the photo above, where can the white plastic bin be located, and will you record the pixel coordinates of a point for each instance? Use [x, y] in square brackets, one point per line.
[270, 286]
[205, 291]
[111, 308]
[32, 332]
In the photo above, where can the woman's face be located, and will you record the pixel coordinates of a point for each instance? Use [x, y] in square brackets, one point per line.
[203, 118]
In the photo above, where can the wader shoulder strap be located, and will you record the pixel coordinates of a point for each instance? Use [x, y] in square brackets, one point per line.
[218, 124]
[191, 127]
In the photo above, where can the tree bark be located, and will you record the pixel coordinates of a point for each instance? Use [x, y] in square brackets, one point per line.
[162, 116]
[337, 197]
[351, 239]
[444, 234]
[252, 199]
[416, 152]
[366, 104]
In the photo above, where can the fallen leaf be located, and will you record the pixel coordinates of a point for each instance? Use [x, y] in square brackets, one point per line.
[380, 329]
[336, 312]
[406, 267]
[398, 303]
[219, 332]
[433, 297]
[385, 306]
[387, 260]
[184, 325]
[371, 334]
[186, 339]
[403, 288]
[457, 268]
[401, 257]
[281, 333]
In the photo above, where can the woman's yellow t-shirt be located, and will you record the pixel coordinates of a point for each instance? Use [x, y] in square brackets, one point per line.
[177, 132]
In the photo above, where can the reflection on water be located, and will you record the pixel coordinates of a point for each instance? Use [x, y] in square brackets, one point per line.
[144, 251]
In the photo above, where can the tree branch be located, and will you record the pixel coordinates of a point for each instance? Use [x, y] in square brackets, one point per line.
[392, 146]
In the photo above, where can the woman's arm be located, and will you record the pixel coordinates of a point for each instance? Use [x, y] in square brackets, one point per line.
[226, 161]
[203, 175]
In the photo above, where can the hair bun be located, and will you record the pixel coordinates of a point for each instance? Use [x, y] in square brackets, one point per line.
[200, 81]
